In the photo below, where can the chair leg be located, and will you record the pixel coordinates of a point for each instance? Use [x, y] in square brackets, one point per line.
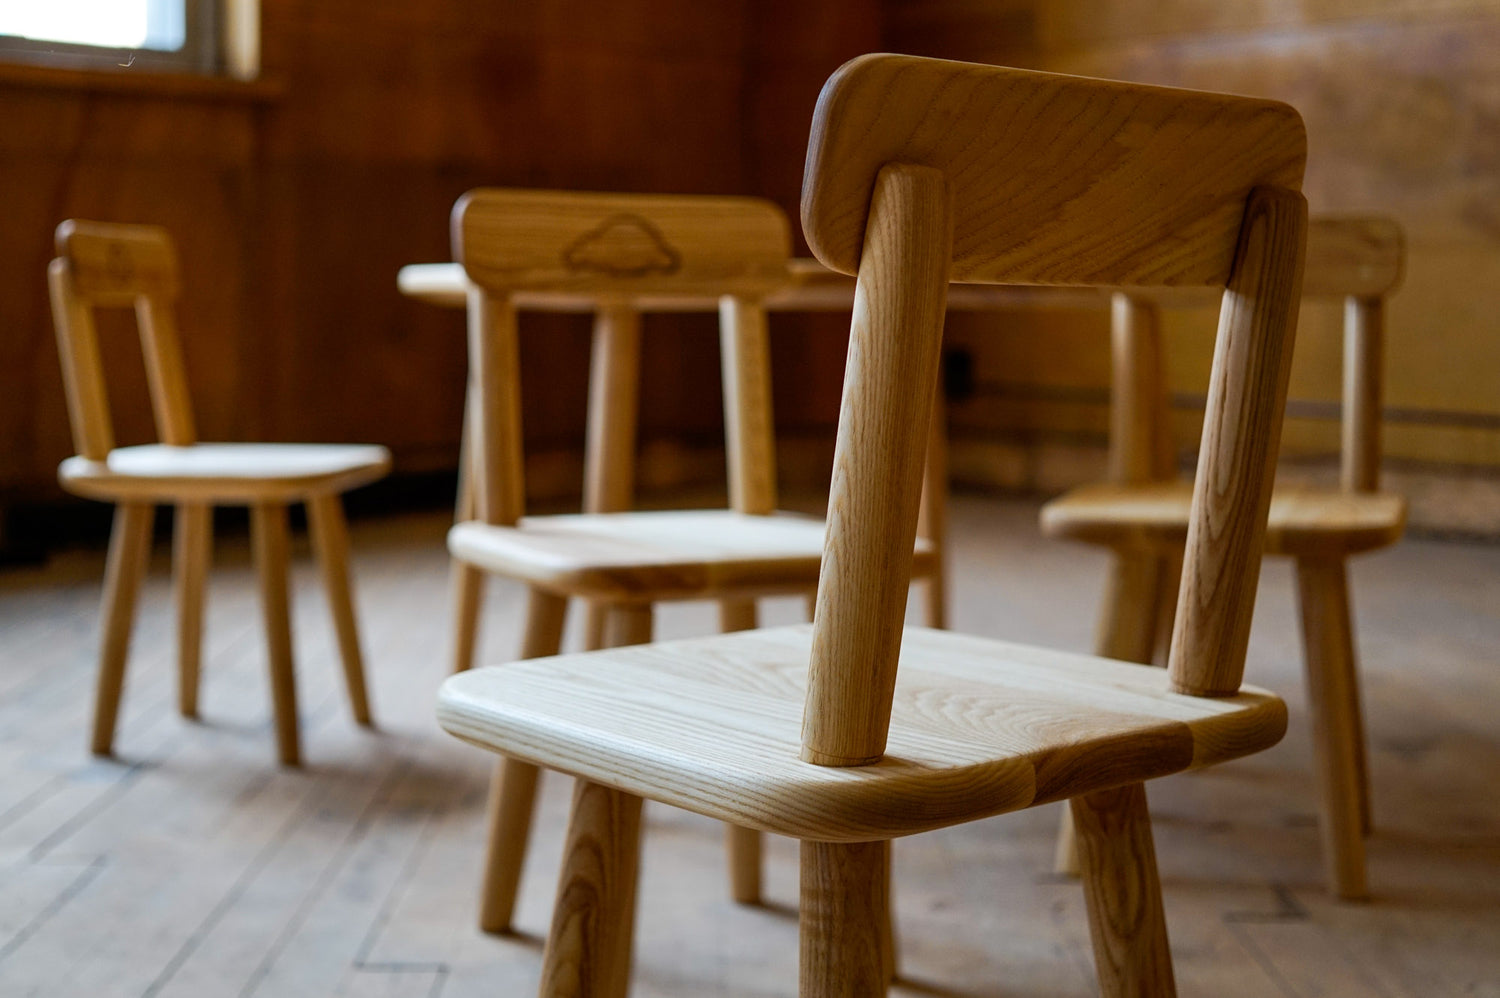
[593, 920]
[129, 547]
[1123, 893]
[513, 787]
[846, 946]
[595, 622]
[1128, 628]
[1333, 703]
[468, 597]
[268, 528]
[330, 535]
[1361, 749]
[742, 844]
[628, 625]
[932, 522]
[512, 798]
[467, 582]
[192, 540]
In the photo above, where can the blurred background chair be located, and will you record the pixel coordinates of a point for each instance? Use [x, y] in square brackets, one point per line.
[921, 171]
[622, 253]
[109, 265]
[1141, 514]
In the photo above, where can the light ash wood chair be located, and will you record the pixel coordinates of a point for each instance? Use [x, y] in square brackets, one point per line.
[135, 266]
[921, 171]
[609, 251]
[1142, 516]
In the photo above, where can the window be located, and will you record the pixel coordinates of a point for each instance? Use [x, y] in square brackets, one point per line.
[179, 35]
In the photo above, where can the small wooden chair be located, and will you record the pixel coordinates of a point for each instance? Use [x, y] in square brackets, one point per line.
[612, 250]
[108, 265]
[1142, 516]
[921, 171]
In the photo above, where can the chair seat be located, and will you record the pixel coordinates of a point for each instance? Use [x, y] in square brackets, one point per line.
[656, 555]
[979, 727]
[1303, 521]
[224, 473]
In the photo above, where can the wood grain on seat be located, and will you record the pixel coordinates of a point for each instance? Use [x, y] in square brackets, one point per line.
[979, 727]
[1303, 520]
[656, 555]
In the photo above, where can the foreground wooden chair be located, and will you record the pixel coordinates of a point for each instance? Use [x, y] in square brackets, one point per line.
[921, 171]
[1142, 516]
[108, 265]
[611, 250]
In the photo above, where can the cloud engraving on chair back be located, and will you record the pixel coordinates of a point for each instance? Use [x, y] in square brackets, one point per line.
[630, 244]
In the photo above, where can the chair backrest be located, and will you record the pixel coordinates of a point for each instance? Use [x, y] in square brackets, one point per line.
[612, 249]
[108, 264]
[1361, 260]
[924, 170]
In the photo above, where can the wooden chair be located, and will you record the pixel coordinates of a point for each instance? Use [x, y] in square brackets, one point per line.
[922, 170]
[107, 265]
[1142, 516]
[612, 250]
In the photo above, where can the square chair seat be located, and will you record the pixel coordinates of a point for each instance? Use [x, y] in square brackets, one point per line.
[224, 473]
[1302, 520]
[979, 727]
[658, 554]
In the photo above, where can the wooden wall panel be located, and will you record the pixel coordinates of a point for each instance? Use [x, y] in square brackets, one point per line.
[295, 202]
[1402, 103]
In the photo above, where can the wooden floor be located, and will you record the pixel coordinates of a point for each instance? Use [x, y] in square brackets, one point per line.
[192, 865]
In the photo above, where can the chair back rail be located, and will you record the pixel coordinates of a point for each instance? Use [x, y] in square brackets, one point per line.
[615, 249]
[922, 171]
[105, 264]
[1055, 179]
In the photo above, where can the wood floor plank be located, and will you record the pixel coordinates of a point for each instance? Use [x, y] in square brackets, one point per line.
[196, 866]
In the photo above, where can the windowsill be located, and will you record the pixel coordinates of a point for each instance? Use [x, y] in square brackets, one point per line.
[185, 86]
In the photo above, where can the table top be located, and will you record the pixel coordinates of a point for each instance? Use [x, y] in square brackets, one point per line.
[810, 287]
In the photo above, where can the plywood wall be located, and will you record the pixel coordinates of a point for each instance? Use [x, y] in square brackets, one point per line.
[1402, 103]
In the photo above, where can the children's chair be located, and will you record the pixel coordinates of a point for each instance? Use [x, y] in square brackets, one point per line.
[921, 171]
[613, 251]
[102, 264]
[1142, 516]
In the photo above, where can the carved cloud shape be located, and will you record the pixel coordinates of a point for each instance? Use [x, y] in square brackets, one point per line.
[622, 246]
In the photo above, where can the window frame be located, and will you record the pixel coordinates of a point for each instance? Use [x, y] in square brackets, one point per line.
[201, 53]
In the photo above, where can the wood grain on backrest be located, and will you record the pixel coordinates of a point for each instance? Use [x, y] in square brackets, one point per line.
[922, 170]
[627, 244]
[613, 249]
[109, 264]
[1054, 179]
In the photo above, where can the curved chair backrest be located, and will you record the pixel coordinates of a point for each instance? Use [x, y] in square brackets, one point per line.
[610, 249]
[108, 264]
[920, 171]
